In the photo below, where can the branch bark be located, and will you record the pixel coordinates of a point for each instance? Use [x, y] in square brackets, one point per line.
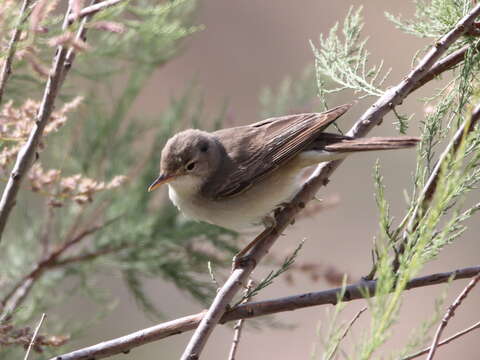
[352, 292]
[373, 116]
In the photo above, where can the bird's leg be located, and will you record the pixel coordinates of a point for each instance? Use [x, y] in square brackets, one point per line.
[240, 259]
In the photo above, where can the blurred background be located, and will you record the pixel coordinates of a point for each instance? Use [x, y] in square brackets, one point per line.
[244, 48]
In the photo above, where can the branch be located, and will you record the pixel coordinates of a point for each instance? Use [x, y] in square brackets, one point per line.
[345, 332]
[19, 292]
[93, 9]
[449, 314]
[255, 309]
[12, 48]
[444, 342]
[444, 64]
[34, 336]
[373, 116]
[238, 327]
[26, 155]
[425, 197]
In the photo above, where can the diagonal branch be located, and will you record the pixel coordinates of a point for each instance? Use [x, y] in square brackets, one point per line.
[237, 328]
[446, 341]
[449, 314]
[352, 292]
[61, 65]
[372, 117]
[12, 47]
[19, 292]
[426, 196]
[93, 9]
[34, 336]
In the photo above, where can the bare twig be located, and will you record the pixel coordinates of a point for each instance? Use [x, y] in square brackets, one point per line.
[373, 116]
[12, 47]
[34, 336]
[238, 327]
[347, 329]
[449, 314]
[93, 9]
[444, 342]
[254, 309]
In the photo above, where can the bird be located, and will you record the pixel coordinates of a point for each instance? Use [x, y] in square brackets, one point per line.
[237, 177]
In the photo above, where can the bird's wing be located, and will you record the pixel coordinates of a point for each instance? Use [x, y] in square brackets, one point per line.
[266, 145]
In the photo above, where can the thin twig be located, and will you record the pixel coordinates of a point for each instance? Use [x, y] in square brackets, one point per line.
[12, 47]
[427, 193]
[444, 342]
[34, 336]
[93, 9]
[352, 292]
[18, 293]
[372, 117]
[447, 63]
[239, 326]
[449, 314]
[345, 332]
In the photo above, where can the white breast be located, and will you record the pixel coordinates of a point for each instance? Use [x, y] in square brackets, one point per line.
[240, 212]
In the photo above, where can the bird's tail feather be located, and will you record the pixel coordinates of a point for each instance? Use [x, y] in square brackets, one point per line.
[370, 144]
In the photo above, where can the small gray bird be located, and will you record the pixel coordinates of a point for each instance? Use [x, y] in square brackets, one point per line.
[236, 177]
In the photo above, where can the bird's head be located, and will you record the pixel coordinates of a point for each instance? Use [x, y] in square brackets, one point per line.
[188, 158]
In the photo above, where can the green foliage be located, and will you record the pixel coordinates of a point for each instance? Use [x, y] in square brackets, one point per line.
[294, 95]
[272, 275]
[345, 61]
[430, 224]
[149, 239]
[432, 18]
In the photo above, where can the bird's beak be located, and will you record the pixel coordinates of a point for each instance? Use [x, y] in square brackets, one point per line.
[162, 179]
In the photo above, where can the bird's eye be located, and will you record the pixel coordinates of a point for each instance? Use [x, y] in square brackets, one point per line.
[190, 166]
[204, 148]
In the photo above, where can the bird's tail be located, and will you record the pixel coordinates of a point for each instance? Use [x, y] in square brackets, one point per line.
[370, 144]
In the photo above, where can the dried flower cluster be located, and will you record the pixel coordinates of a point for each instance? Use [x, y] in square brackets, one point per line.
[9, 335]
[15, 126]
[17, 122]
[77, 187]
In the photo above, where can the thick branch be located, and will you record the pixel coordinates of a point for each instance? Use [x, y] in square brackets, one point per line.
[12, 48]
[255, 309]
[373, 116]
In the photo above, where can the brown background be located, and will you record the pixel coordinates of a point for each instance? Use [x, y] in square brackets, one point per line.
[251, 44]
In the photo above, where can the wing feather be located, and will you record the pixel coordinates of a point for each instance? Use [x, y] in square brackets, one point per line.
[280, 138]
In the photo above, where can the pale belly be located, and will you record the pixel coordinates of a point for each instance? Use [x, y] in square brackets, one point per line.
[243, 211]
